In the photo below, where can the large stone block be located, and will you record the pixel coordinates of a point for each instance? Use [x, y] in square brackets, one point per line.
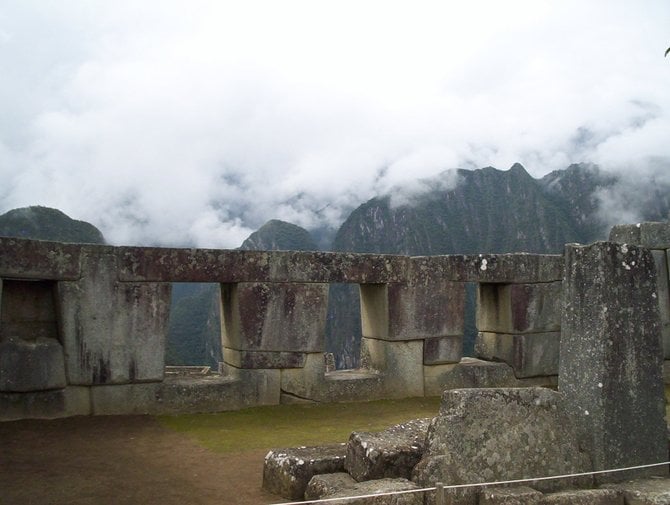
[401, 364]
[484, 435]
[584, 497]
[504, 268]
[475, 373]
[113, 332]
[610, 370]
[390, 453]
[643, 491]
[652, 235]
[124, 399]
[390, 491]
[663, 291]
[313, 383]
[71, 401]
[519, 308]
[327, 484]
[263, 359]
[141, 264]
[36, 259]
[280, 317]
[34, 365]
[530, 355]
[421, 309]
[442, 350]
[287, 472]
[520, 495]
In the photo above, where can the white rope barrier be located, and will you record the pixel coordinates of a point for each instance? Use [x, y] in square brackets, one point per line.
[460, 486]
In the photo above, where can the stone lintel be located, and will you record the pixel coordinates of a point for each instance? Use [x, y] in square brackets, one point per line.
[505, 268]
[37, 259]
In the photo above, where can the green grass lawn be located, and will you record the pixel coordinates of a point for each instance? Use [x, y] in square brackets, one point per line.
[296, 425]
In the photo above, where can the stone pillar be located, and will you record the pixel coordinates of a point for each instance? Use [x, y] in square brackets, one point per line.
[272, 325]
[611, 363]
[113, 332]
[520, 324]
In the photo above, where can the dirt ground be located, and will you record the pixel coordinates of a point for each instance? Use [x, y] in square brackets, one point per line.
[121, 460]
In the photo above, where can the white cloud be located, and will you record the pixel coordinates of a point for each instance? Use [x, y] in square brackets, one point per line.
[193, 123]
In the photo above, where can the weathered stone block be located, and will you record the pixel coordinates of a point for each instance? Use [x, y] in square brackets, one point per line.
[36, 259]
[643, 491]
[505, 268]
[113, 332]
[484, 435]
[663, 291]
[519, 308]
[31, 365]
[584, 497]
[71, 401]
[287, 472]
[312, 383]
[401, 364]
[520, 495]
[652, 235]
[120, 399]
[281, 317]
[327, 484]
[410, 494]
[442, 350]
[390, 453]
[610, 370]
[530, 355]
[28, 310]
[424, 309]
[263, 359]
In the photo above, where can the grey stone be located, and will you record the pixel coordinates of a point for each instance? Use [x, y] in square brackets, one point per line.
[666, 372]
[610, 370]
[584, 497]
[379, 486]
[31, 365]
[469, 373]
[654, 491]
[520, 495]
[530, 355]
[519, 308]
[36, 259]
[401, 364]
[287, 472]
[390, 453]
[663, 291]
[113, 332]
[424, 308]
[652, 235]
[142, 264]
[312, 382]
[484, 435]
[327, 484]
[263, 359]
[278, 317]
[71, 401]
[442, 350]
[505, 268]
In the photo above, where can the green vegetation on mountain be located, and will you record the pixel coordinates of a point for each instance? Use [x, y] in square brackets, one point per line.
[276, 235]
[44, 223]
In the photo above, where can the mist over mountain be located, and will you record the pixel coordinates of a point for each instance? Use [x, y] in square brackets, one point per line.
[458, 212]
[44, 223]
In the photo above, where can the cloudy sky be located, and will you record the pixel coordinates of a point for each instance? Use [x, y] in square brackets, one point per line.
[174, 122]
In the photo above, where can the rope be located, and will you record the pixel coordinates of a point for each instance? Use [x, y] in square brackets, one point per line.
[457, 486]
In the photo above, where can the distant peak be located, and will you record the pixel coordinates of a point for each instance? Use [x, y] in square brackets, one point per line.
[518, 168]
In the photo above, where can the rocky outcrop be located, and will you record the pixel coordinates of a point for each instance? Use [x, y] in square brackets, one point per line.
[390, 453]
[371, 487]
[287, 472]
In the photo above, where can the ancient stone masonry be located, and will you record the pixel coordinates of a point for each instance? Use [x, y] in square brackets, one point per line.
[82, 327]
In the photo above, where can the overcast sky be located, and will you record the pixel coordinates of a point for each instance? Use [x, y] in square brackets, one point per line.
[194, 122]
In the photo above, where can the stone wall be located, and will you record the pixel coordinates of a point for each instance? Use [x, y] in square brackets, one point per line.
[82, 327]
